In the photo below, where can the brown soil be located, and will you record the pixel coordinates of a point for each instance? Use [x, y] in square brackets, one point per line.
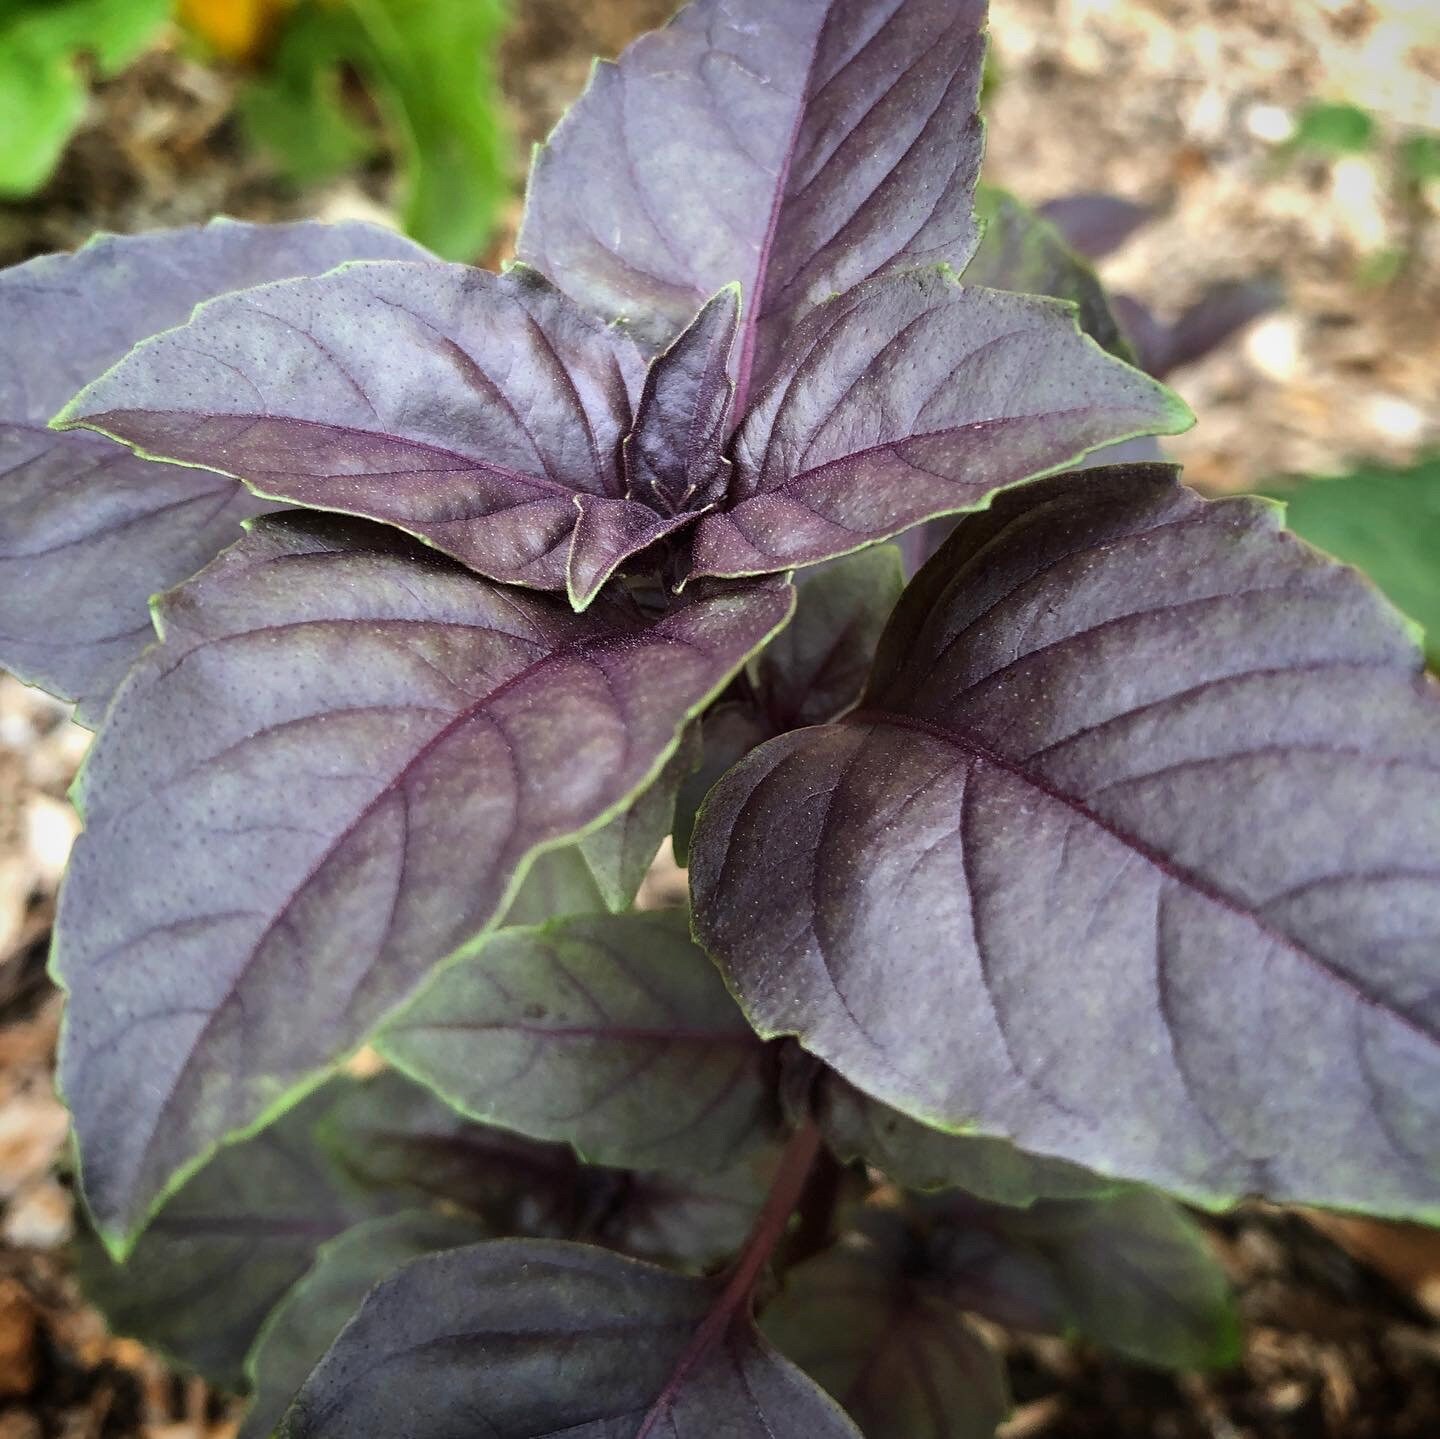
[1174, 104]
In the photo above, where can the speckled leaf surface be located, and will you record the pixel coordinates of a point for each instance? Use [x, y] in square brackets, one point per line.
[911, 397]
[1026, 253]
[466, 408]
[1163, 899]
[537, 1341]
[796, 149]
[88, 531]
[331, 775]
[613, 1033]
[903, 1362]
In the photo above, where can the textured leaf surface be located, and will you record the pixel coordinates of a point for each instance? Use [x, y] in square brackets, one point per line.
[1132, 1272]
[1387, 523]
[1166, 894]
[331, 775]
[304, 1325]
[604, 870]
[815, 668]
[795, 148]
[1025, 253]
[913, 1154]
[88, 531]
[912, 397]
[539, 1340]
[612, 1032]
[904, 1363]
[466, 408]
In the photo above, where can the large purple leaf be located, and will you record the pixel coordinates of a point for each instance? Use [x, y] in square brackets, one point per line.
[88, 531]
[912, 397]
[1131, 854]
[548, 1340]
[333, 773]
[797, 149]
[612, 1032]
[466, 408]
[900, 1358]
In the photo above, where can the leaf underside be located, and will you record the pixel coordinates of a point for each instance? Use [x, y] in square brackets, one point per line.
[331, 775]
[1141, 815]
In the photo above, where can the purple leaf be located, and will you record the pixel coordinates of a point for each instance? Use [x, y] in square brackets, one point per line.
[466, 408]
[673, 457]
[1023, 253]
[904, 1363]
[842, 138]
[1163, 899]
[914, 397]
[332, 774]
[857, 1127]
[236, 1236]
[544, 1340]
[1132, 1272]
[815, 668]
[611, 1032]
[88, 531]
[1094, 224]
[303, 1327]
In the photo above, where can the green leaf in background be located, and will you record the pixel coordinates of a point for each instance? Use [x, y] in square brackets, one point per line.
[430, 66]
[296, 111]
[1385, 522]
[42, 85]
[1333, 128]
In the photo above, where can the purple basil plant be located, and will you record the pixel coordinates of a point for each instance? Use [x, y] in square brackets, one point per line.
[1094, 868]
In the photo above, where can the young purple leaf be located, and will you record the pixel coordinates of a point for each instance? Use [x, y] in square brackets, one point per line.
[674, 460]
[332, 774]
[842, 135]
[465, 408]
[545, 1340]
[1131, 855]
[903, 1363]
[909, 398]
[611, 1032]
[89, 532]
[1132, 1272]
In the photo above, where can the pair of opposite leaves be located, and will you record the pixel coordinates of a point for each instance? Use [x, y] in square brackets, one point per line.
[495, 724]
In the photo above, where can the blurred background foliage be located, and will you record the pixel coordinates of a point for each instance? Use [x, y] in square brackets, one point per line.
[329, 85]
